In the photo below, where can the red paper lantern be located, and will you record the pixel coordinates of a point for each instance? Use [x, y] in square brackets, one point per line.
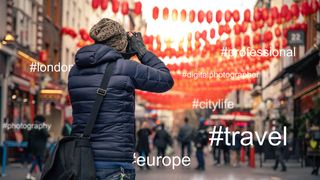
[257, 14]
[267, 36]
[284, 11]
[197, 35]
[279, 21]
[209, 17]
[43, 56]
[115, 6]
[305, 8]
[201, 16]
[256, 39]
[304, 26]
[237, 29]
[104, 4]
[285, 32]
[260, 24]
[212, 33]
[270, 22]
[246, 41]
[174, 15]
[284, 42]
[227, 29]
[254, 26]
[204, 35]
[192, 16]
[277, 44]
[267, 45]
[277, 32]
[125, 8]
[288, 16]
[218, 16]
[95, 4]
[218, 44]
[247, 15]
[238, 42]
[265, 14]
[274, 13]
[295, 10]
[183, 15]
[244, 26]
[165, 13]
[236, 16]
[228, 43]
[314, 6]
[137, 8]
[221, 30]
[155, 13]
[227, 15]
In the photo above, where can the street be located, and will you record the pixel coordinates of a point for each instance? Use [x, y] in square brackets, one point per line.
[294, 172]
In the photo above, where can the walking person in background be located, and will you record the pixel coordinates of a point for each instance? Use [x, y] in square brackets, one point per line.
[143, 146]
[185, 137]
[235, 150]
[280, 154]
[37, 143]
[200, 141]
[226, 148]
[162, 140]
[218, 147]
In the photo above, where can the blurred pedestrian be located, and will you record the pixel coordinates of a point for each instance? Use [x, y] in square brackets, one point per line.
[313, 141]
[143, 146]
[113, 137]
[162, 140]
[37, 143]
[235, 149]
[219, 146]
[200, 141]
[225, 147]
[185, 137]
[279, 152]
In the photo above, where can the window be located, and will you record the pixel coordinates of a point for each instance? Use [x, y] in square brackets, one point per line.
[67, 56]
[56, 12]
[48, 7]
[67, 19]
[56, 74]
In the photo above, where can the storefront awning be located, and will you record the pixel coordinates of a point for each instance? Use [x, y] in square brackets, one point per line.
[232, 117]
[310, 57]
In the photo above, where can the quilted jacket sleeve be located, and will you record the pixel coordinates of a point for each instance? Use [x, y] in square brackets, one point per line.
[152, 75]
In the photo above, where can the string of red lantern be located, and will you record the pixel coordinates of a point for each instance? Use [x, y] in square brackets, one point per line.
[285, 13]
[116, 4]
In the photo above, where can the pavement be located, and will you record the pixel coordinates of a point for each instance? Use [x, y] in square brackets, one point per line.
[294, 172]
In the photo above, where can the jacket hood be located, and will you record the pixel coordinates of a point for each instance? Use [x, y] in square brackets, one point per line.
[93, 55]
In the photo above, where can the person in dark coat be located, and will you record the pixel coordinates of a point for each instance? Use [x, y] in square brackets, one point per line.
[279, 152]
[185, 137]
[235, 149]
[113, 137]
[37, 143]
[143, 145]
[162, 140]
[201, 140]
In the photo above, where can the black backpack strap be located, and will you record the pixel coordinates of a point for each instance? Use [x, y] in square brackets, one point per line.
[101, 92]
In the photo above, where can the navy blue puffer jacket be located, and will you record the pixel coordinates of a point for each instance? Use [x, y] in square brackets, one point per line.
[113, 137]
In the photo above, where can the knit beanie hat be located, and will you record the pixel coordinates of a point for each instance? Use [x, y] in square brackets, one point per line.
[110, 33]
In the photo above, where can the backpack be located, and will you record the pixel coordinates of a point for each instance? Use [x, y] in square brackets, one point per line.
[72, 158]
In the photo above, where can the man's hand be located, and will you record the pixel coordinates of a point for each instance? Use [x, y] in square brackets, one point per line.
[136, 43]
